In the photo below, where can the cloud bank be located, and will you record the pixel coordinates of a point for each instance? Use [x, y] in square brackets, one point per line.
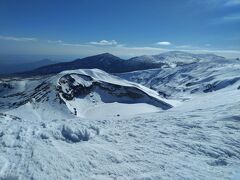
[12, 38]
[104, 43]
[59, 47]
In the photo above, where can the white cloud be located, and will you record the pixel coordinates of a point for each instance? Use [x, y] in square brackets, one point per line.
[62, 43]
[104, 43]
[232, 17]
[164, 43]
[232, 2]
[12, 38]
[75, 45]
[216, 4]
[78, 49]
[55, 41]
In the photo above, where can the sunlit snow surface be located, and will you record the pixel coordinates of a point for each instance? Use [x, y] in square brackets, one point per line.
[199, 138]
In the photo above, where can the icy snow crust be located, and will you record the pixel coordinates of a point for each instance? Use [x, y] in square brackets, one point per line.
[42, 136]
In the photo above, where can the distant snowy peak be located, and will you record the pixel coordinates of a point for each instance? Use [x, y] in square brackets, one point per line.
[144, 58]
[189, 74]
[175, 58]
[187, 56]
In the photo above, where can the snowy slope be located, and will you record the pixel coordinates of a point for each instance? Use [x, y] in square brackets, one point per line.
[208, 73]
[193, 141]
[87, 124]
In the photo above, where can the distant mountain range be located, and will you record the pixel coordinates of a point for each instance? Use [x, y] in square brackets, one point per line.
[105, 61]
[114, 64]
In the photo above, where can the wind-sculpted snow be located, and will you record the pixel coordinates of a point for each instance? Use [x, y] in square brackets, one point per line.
[193, 141]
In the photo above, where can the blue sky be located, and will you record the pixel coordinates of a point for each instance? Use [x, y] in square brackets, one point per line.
[122, 27]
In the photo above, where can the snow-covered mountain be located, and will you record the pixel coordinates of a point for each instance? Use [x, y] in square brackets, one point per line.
[87, 124]
[188, 74]
[81, 93]
[106, 62]
[176, 58]
[113, 64]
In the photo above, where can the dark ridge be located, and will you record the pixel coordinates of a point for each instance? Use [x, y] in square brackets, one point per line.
[106, 62]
